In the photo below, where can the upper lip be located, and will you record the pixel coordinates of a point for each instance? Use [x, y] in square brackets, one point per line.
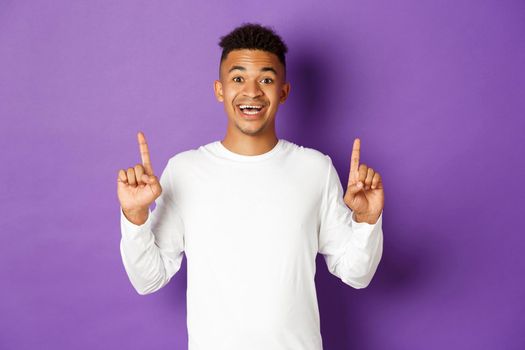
[255, 104]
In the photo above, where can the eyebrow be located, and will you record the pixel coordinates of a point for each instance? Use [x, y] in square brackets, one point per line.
[263, 69]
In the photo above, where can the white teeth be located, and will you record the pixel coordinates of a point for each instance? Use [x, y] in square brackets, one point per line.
[249, 106]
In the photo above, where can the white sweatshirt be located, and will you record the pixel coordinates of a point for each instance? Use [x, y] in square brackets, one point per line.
[250, 227]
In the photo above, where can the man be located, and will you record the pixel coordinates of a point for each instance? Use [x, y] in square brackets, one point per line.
[250, 212]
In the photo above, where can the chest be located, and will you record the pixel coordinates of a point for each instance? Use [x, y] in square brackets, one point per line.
[249, 210]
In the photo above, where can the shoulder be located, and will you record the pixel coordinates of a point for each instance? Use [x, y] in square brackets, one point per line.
[181, 168]
[184, 157]
[192, 156]
[310, 156]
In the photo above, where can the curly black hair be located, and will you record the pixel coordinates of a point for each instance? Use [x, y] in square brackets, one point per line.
[254, 36]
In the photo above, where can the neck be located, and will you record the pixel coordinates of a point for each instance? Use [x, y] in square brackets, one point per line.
[250, 145]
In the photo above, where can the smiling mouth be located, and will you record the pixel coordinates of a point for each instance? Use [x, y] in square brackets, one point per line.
[252, 110]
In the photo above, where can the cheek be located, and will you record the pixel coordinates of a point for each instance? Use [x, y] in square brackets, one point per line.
[275, 97]
[276, 92]
[229, 95]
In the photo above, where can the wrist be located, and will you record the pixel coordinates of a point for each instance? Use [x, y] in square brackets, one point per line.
[136, 216]
[368, 218]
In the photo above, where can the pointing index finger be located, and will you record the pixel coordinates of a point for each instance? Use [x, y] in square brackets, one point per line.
[144, 153]
[354, 162]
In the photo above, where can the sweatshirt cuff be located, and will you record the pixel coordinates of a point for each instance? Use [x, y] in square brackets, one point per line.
[365, 225]
[133, 231]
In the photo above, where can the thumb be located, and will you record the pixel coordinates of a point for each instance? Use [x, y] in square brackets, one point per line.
[354, 188]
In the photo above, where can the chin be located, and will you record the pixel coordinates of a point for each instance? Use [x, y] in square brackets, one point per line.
[251, 131]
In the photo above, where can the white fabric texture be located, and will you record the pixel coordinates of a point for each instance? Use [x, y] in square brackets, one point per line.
[250, 227]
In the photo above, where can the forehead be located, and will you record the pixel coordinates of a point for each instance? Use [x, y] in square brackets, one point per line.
[251, 60]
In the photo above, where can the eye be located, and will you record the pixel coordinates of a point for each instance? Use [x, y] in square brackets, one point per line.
[268, 80]
[237, 79]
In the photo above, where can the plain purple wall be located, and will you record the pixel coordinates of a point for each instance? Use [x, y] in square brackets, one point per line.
[434, 89]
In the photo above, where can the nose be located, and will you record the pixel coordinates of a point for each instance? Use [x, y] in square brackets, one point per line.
[252, 89]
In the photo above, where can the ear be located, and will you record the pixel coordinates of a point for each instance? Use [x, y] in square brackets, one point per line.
[217, 86]
[285, 91]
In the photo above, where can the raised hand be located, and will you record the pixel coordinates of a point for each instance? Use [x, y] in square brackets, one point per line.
[364, 192]
[138, 187]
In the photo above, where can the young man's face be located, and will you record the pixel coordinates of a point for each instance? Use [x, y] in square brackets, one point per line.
[251, 78]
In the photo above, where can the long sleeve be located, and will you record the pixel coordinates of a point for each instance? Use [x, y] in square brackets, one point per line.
[152, 252]
[352, 250]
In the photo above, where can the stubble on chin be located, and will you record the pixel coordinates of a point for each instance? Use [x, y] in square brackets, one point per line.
[249, 131]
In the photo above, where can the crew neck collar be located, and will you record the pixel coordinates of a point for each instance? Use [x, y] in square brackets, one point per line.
[222, 151]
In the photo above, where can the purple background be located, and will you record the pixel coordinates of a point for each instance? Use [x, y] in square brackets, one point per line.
[434, 89]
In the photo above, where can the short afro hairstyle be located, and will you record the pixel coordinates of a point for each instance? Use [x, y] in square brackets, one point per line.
[256, 37]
